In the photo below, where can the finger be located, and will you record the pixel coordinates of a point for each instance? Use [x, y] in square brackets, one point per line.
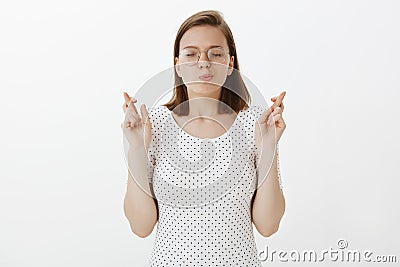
[128, 100]
[275, 100]
[273, 119]
[124, 107]
[127, 97]
[132, 106]
[126, 104]
[138, 120]
[126, 124]
[277, 110]
[262, 119]
[145, 114]
[276, 119]
[282, 106]
[134, 100]
[131, 119]
[130, 114]
[279, 100]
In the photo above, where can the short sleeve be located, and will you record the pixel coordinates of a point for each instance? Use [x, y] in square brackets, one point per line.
[156, 117]
[151, 153]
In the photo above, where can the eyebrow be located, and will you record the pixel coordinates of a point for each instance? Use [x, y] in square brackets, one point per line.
[211, 46]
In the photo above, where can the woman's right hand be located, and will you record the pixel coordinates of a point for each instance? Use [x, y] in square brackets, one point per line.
[136, 128]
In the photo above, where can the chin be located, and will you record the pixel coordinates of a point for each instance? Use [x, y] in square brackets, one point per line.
[205, 87]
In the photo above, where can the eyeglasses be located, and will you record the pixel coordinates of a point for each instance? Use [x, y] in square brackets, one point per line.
[191, 55]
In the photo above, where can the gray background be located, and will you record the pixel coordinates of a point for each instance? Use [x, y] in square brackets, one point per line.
[64, 66]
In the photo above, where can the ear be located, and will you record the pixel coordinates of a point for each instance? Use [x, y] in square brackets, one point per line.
[231, 64]
[177, 67]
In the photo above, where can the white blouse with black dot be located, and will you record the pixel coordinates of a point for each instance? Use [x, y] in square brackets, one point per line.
[204, 189]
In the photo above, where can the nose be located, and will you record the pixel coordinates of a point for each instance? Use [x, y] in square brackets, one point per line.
[203, 60]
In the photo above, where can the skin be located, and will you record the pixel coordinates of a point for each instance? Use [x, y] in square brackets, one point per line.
[269, 203]
[203, 37]
[204, 96]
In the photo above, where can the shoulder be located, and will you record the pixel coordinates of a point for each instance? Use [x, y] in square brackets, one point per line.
[253, 111]
[157, 117]
[158, 114]
[249, 116]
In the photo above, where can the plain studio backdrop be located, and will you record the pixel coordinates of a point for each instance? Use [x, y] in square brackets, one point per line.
[64, 67]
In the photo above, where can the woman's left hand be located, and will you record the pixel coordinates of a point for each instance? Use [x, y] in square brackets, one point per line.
[269, 119]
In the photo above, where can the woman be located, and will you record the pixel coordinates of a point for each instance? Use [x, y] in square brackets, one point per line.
[204, 206]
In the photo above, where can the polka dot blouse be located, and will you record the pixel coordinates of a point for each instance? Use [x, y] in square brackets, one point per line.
[204, 189]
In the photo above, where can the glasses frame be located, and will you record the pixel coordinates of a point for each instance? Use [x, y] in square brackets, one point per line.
[199, 54]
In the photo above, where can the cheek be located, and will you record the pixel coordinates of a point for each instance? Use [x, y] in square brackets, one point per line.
[188, 75]
[220, 74]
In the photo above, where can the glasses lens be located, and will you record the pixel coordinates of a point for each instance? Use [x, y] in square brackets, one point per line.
[189, 55]
[216, 54]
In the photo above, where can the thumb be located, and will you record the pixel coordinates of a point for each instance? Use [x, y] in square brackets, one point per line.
[145, 116]
[264, 116]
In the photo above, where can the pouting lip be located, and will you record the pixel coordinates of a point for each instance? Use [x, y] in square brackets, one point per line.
[205, 76]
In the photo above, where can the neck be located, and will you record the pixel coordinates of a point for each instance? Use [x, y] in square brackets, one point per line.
[203, 105]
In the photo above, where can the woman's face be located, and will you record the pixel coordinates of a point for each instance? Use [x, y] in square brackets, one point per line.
[207, 75]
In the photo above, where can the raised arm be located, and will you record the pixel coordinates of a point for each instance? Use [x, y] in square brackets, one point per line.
[268, 205]
[140, 207]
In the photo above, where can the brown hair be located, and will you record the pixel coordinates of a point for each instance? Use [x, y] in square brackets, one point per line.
[237, 96]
